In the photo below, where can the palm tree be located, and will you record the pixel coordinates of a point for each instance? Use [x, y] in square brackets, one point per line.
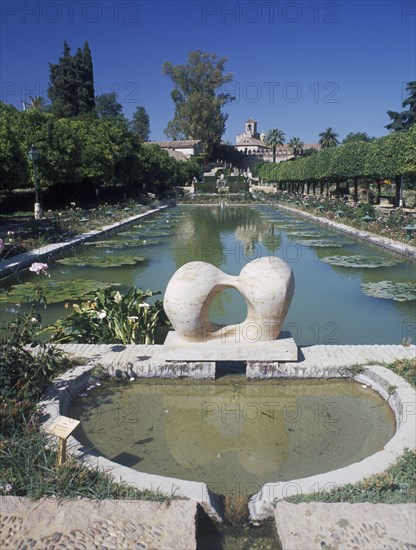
[296, 144]
[274, 138]
[328, 138]
[36, 103]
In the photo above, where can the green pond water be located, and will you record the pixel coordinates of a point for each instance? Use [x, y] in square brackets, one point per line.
[336, 302]
[231, 433]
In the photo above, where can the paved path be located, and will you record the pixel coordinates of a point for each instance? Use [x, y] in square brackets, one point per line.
[149, 360]
[364, 526]
[52, 524]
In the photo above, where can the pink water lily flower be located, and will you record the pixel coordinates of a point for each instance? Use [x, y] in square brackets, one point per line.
[39, 268]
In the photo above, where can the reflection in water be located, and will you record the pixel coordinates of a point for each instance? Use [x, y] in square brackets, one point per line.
[328, 307]
[232, 432]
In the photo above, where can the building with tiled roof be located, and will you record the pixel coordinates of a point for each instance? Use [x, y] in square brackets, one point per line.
[251, 143]
[187, 147]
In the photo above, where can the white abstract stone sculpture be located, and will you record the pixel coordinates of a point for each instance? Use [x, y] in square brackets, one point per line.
[266, 284]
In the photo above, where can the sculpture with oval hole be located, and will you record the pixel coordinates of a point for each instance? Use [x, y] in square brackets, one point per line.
[267, 285]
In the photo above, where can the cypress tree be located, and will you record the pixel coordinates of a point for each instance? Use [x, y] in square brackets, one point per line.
[88, 80]
[71, 88]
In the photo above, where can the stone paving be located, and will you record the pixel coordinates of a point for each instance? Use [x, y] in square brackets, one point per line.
[364, 526]
[54, 524]
[319, 361]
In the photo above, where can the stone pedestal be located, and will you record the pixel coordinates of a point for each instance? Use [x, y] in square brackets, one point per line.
[283, 349]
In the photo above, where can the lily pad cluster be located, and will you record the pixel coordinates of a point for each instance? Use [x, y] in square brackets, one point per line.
[321, 243]
[107, 260]
[306, 234]
[360, 261]
[400, 292]
[54, 291]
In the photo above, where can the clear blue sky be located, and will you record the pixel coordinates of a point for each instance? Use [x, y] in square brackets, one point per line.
[300, 66]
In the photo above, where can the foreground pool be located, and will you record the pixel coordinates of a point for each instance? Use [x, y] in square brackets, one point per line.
[232, 434]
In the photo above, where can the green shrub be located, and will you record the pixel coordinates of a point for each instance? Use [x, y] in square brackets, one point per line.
[409, 198]
[111, 318]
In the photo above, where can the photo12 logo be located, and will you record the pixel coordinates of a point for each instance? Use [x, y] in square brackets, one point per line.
[70, 12]
[270, 12]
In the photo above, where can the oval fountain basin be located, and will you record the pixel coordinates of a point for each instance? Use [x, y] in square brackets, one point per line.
[233, 434]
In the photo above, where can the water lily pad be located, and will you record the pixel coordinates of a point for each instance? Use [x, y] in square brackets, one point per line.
[401, 292]
[153, 234]
[101, 261]
[116, 245]
[54, 291]
[305, 234]
[360, 261]
[321, 243]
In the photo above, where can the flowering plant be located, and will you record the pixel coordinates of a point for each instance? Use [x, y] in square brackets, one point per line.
[111, 318]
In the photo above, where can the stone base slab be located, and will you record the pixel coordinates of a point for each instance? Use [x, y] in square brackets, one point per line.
[283, 349]
[92, 525]
[317, 525]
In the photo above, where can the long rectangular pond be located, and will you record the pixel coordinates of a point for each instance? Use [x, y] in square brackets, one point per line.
[347, 292]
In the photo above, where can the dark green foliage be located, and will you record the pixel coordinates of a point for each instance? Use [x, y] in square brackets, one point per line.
[357, 136]
[106, 105]
[406, 119]
[14, 166]
[328, 138]
[71, 87]
[140, 124]
[227, 153]
[365, 210]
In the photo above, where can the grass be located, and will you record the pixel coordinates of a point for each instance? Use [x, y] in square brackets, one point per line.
[28, 467]
[396, 485]
[406, 368]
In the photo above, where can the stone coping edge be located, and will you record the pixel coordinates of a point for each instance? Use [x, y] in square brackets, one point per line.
[401, 397]
[57, 401]
[403, 249]
[23, 261]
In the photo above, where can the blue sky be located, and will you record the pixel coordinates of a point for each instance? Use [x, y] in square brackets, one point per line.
[299, 66]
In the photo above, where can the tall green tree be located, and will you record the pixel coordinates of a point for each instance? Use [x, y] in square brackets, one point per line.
[349, 161]
[274, 138]
[140, 123]
[296, 145]
[13, 158]
[198, 98]
[357, 136]
[88, 100]
[106, 105]
[36, 102]
[328, 138]
[71, 87]
[406, 119]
